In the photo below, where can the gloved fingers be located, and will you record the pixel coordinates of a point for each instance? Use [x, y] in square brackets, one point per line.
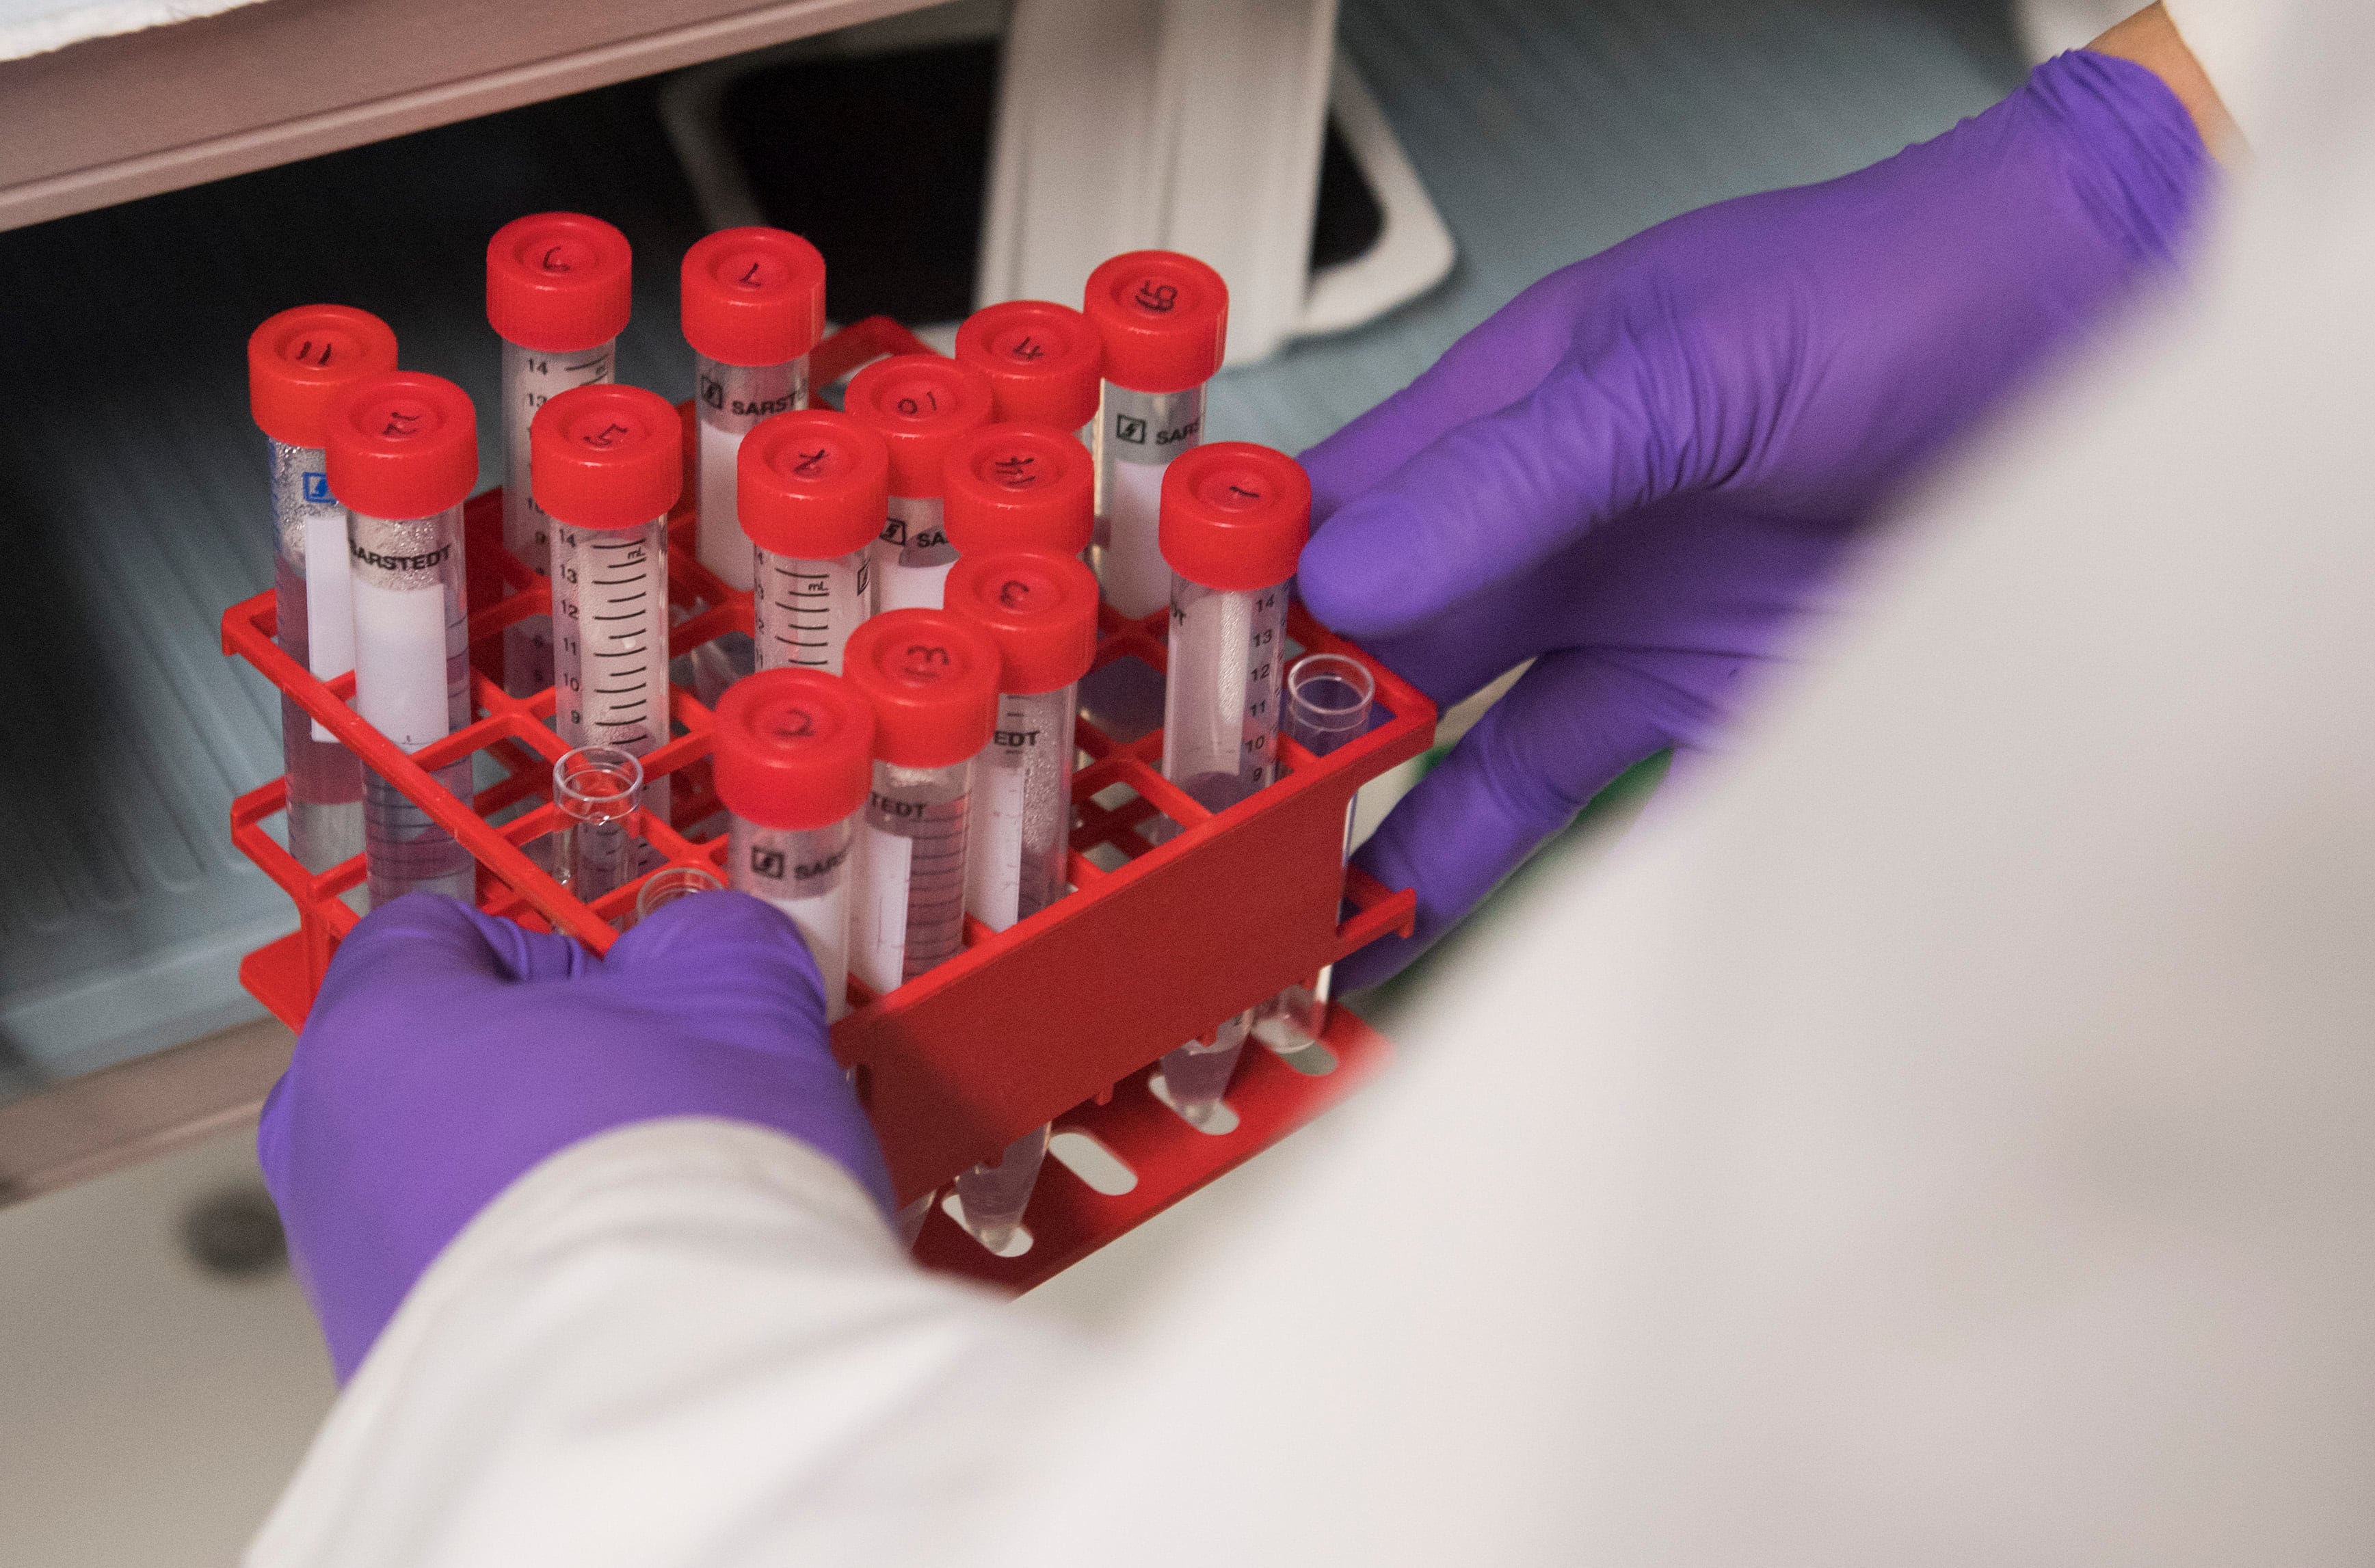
[1574, 722]
[1497, 363]
[721, 950]
[1491, 499]
[424, 945]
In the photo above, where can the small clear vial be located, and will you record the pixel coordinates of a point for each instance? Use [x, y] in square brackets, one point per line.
[814, 491]
[670, 883]
[1043, 360]
[402, 455]
[931, 679]
[754, 308]
[1164, 320]
[299, 364]
[1235, 520]
[1328, 700]
[560, 290]
[793, 762]
[609, 467]
[1040, 609]
[598, 790]
[919, 404]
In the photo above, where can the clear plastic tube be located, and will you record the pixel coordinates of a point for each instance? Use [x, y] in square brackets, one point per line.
[911, 873]
[1220, 732]
[730, 400]
[317, 630]
[1019, 849]
[670, 883]
[1022, 832]
[598, 789]
[609, 674]
[806, 874]
[803, 611]
[1327, 701]
[531, 379]
[412, 684]
[1137, 434]
[913, 557]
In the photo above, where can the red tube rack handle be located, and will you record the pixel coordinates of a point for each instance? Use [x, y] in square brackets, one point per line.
[1059, 1019]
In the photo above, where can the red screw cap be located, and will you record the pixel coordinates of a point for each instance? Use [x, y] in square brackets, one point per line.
[299, 360]
[1020, 487]
[402, 444]
[792, 748]
[1043, 360]
[1164, 317]
[605, 456]
[753, 296]
[1038, 606]
[560, 282]
[813, 485]
[1234, 515]
[919, 404]
[932, 680]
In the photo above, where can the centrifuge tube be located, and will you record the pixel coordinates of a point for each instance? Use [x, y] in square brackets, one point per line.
[560, 288]
[932, 681]
[753, 309]
[814, 490]
[793, 760]
[1040, 608]
[598, 789]
[919, 404]
[1043, 361]
[609, 464]
[1235, 520]
[403, 453]
[1327, 701]
[298, 363]
[670, 883]
[1016, 487]
[1163, 321]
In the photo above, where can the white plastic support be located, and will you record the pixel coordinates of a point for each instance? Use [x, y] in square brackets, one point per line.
[1193, 126]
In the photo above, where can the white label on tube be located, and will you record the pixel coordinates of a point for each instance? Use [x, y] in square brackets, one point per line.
[994, 891]
[879, 924]
[400, 661]
[1137, 578]
[329, 599]
[721, 544]
[824, 926]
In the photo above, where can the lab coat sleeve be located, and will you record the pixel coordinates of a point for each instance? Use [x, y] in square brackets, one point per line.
[2236, 41]
[658, 1347]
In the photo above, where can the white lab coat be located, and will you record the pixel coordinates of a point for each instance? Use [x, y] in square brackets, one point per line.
[1941, 1138]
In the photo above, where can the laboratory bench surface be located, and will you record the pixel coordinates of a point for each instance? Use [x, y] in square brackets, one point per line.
[133, 480]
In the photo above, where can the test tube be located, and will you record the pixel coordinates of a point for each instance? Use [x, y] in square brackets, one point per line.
[560, 288]
[815, 488]
[919, 404]
[1019, 486]
[793, 760]
[1164, 322]
[1043, 362]
[1235, 520]
[754, 308]
[1040, 609]
[1327, 701]
[403, 453]
[932, 681]
[609, 464]
[670, 883]
[298, 363]
[598, 789]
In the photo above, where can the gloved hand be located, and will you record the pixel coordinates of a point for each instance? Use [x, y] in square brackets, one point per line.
[450, 1051]
[1643, 468]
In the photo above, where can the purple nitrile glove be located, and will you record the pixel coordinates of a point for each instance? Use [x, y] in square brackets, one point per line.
[450, 1051]
[1639, 470]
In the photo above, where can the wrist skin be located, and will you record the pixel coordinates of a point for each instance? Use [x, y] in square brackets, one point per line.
[2150, 39]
